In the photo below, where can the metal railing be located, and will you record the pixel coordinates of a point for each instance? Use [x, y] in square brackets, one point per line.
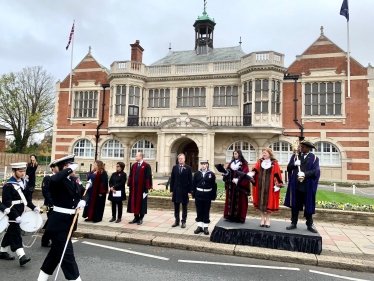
[229, 121]
[144, 121]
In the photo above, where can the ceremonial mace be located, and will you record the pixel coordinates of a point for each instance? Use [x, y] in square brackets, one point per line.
[295, 149]
[88, 185]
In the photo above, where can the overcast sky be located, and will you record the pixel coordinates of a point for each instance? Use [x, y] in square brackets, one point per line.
[36, 32]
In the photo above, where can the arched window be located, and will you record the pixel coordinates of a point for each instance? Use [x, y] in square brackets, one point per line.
[327, 153]
[143, 146]
[84, 148]
[247, 149]
[282, 151]
[112, 149]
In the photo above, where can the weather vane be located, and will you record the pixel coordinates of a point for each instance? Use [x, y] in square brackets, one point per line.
[205, 5]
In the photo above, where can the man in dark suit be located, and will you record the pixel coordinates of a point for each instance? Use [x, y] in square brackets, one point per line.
[66, 192]
[180, 189]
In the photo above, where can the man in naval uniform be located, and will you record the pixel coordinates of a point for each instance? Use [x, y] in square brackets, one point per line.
[66, 192]
[48, 203]
[204, 190]
[303, 193]
[16, 193]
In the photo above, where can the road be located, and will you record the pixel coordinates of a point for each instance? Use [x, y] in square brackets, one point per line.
[101, 260]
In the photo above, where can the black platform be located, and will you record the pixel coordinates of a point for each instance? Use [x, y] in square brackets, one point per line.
[276, 237]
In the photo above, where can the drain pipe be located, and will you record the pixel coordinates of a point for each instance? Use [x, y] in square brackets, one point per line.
[102, 119]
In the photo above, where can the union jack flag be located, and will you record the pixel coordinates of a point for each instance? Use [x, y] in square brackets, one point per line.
[70, 36]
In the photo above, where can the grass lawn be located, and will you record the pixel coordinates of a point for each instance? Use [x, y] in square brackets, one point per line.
[327, 196]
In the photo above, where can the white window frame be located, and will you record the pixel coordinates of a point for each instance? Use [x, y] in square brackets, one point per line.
[327, 158]
[283, 155]
[74, 108]
[140, 146]
[90, 149]
[249, 154]
[113, 147]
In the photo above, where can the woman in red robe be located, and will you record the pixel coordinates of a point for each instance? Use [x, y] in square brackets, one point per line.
[237, 189]
[268, 181]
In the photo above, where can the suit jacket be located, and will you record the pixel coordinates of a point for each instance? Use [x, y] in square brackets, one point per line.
[181, 183]
[118, 182]
[65, 193]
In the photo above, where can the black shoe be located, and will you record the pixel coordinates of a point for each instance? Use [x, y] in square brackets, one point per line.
[267, 226]
[262, 225]
[118, 220]
[291, 227]
[6, 256]
[87, 220]
[23, 260]
[133, 221]
[312, 228]
[198, 230]
[206, 231]
[140, 222]
[175, 224]
[183, 225]
[47, 245]
[112, 220]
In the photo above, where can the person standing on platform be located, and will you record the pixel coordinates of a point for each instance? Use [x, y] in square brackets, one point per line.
[204, 191]
[139, 182]
[32, 166]
[303, 193]
[267, 183]
[66, 192]
[237, 189]
[48, 203]
[94, 211]
[117, 192]
[16, 193]
[180, 189]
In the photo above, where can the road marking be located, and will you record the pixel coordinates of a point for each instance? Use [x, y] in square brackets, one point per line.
[241, 265]
[337, 276]
[126, 251]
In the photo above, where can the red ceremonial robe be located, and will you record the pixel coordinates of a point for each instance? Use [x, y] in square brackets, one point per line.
[136, 203]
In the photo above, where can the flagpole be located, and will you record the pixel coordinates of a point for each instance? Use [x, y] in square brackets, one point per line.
[71, 63]
[349, 62]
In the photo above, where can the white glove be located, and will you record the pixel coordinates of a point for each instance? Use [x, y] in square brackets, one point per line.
[251, 174]
[235, 181]
[301, 174]
[37, 210]
[88, 184]
[18, 219]
[7, 211]
[297, 163]
[276, 188]
[73, 166]
[81, 204]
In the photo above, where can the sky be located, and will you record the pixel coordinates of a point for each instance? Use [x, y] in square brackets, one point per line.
[36, 32]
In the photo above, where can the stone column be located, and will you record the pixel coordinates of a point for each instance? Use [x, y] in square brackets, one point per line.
[210, 149]
[205, 152]
[127, 104]
[161, 157]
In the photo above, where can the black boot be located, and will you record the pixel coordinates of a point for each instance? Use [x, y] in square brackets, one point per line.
[112, 220]
[206, 231]
[175, 224]
[23, 260]
[6, 256]
[198, 230]
[291, 227]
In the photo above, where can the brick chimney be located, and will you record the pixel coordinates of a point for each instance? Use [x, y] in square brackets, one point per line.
[136, 52]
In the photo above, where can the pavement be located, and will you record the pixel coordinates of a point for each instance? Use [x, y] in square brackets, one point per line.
[348, 247]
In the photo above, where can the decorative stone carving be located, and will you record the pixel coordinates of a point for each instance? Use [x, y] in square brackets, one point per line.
[322, 72]
[183, 122]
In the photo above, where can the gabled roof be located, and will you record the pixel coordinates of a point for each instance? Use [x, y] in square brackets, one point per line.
[5, 128]
[215, 55]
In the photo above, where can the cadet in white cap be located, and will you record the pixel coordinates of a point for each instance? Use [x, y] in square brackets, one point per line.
[204, 191]
[16, 193]
[66, 193]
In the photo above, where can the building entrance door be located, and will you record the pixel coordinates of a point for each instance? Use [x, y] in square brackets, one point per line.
[192, 156]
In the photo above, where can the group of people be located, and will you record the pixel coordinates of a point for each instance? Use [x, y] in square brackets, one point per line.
[266, 179]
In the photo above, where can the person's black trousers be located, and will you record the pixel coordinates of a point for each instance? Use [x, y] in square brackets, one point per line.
[202, 210]
[117, 205]
[300, 201]
[12, 237]
[177, 210]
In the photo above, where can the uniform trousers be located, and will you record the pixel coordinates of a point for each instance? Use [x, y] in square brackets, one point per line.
[47, 235]
[69, 265]
[184, 212]
[300, 202]
[12, 237]
[202, 210]
[117, 205]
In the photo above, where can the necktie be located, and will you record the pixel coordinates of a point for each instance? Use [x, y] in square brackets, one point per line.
[139, 165]
[180, 169]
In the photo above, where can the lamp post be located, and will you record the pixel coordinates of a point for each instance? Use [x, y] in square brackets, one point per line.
[102, 119]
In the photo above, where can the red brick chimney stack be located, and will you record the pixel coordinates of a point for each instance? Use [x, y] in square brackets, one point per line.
[136, 52]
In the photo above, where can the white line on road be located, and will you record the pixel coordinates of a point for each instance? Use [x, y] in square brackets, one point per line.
[337, 276]
[126, 251]
[241, 265]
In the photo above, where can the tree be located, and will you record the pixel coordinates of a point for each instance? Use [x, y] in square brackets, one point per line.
[26, 103]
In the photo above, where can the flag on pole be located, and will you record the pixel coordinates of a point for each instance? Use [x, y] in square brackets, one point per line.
[344, 11]
[70, 36]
